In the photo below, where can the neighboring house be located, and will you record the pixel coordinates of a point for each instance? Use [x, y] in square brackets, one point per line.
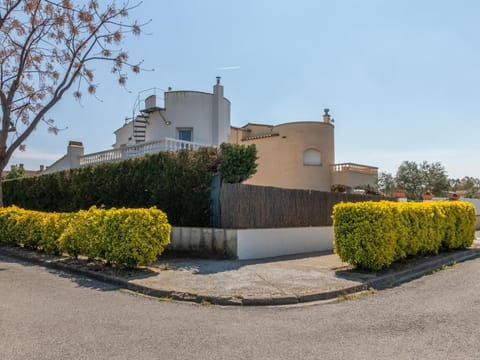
[298, 155]
[20, 169]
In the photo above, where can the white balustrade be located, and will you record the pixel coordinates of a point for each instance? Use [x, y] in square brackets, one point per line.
[138, 150]
[365, 169]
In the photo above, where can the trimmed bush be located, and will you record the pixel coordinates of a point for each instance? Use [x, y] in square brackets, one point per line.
[125, 237]
[179, 182]
[373, 235]
[84, 234]
[238, 162]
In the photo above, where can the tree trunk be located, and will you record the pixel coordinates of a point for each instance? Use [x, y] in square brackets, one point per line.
[1, 193]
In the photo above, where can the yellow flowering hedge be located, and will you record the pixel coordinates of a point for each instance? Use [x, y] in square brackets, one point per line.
[372, 235]
[125, 237]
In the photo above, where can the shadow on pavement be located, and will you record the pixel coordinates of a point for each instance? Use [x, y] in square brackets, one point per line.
[410, 266]
[86, 282]
[77, 268]
[198, 266]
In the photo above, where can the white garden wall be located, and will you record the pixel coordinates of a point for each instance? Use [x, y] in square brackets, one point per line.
[246, 244]
[263, 243]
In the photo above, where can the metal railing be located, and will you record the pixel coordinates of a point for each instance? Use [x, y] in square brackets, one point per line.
[138, 150]
[364, 169]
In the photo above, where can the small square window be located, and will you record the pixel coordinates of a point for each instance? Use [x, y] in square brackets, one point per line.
[312, 157]
[185, 134]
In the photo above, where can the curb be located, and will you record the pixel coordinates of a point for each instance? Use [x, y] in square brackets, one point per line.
[419, 270]
[383, 281]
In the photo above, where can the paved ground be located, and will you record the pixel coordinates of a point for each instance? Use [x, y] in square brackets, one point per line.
[287, 280]
[46, 314]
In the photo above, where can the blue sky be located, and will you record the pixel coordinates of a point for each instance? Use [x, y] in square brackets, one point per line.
[402, 78]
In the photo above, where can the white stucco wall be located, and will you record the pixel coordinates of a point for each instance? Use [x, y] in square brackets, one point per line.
[246, 244]
[207, 114]
[263, 243]
[61, 164]
[68, 161]
[124, 135]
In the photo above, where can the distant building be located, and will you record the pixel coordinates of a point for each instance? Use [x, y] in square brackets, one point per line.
[27, 173]
[293, 155]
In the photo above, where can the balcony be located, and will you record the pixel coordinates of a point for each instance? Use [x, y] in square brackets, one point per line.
[351, 167]
[353, 175]
[138, 150]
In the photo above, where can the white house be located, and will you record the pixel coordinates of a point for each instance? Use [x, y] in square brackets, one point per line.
[298, 155]
[185, 120]
[192, 116]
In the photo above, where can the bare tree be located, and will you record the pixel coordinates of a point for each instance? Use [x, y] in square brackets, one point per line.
[47, 47]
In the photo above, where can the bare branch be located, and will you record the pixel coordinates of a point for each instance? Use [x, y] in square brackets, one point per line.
[45, 48]
[9, 10]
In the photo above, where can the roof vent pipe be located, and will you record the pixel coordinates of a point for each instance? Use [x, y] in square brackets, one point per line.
[326, 116]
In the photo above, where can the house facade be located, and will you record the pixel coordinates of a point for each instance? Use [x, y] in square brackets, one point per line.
[183, 120]
[301, 155]
[296, 155]
[193, 116]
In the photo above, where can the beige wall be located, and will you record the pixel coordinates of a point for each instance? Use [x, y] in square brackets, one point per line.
[281, 151]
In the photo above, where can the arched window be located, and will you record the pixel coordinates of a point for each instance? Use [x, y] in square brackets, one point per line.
[312, 157]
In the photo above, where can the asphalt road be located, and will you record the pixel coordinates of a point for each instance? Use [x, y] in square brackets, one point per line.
[51, 315]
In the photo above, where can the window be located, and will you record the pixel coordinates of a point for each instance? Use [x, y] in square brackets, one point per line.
[185, 134]
[312, 157]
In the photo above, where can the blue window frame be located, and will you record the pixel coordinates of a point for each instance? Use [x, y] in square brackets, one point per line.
[185, 134]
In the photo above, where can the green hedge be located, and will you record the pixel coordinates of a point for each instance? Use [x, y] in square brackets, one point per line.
[125, 237]
[238, 162]
[178, 182]
[372, 235]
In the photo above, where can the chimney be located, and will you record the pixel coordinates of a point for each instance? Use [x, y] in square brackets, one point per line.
[326, 116]
[217, 125]
[151, 102]
[42, 168]
[74, 152]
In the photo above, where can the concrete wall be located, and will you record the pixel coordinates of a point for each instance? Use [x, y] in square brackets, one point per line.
[264, 243]
[70, 160]
[281, 154]
[250, 243]
[124, 135]
[204, 241]
[61, 164]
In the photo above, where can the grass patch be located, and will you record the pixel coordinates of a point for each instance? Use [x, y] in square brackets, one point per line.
[165, 299]
[357, 295]
[206, 303]
[164, 267]
[441, 268]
